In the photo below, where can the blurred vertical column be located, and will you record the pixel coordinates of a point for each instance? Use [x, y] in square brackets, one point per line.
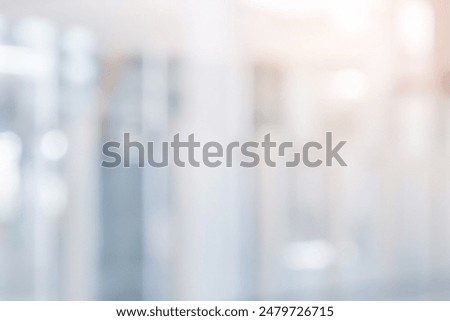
[5, 213]
[16, 263]
[44, 191]
[440, 220]
[121, 190]
[212, 233]
[273, 203]
[79, 234]
[134, 220]
[308, 252]
[157, 76]
[415, 131]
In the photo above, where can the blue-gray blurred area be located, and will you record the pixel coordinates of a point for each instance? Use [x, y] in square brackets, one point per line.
[76, 74]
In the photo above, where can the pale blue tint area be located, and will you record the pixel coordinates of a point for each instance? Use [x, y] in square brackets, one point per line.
[77, 74]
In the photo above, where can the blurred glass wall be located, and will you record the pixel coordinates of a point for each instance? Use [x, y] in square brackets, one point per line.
[375, 73]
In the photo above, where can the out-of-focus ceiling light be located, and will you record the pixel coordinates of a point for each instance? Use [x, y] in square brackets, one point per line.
[350, 17]
[415, 26]
[291, 6]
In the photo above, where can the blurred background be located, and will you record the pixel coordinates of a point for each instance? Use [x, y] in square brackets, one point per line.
[75, 74]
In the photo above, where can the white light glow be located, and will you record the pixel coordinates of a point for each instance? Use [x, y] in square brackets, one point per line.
[350, 17]
[10, 151]
[10, 148]
[309, 255]
[22, 61]
[350, 84]
[54, 145]
[291, 6]
[415, 27]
